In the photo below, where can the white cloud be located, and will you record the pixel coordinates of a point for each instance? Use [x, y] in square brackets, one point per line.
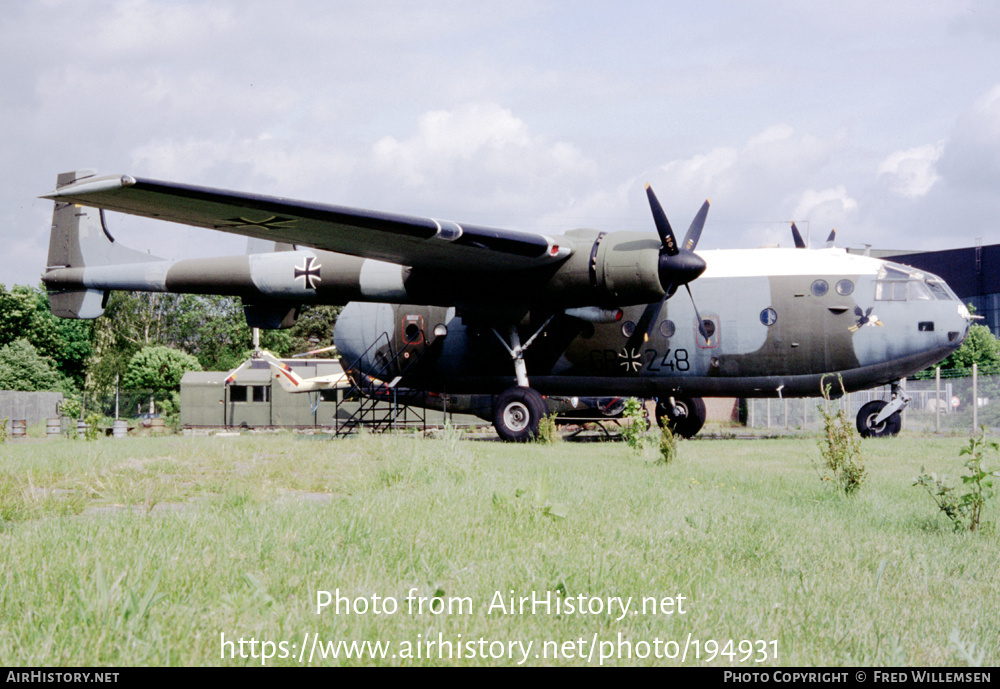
[480, 151]
[826, 202]
[913, 171]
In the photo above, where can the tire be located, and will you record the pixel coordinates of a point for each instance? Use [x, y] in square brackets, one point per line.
[866, 421]
[518, 413]
[690, 419]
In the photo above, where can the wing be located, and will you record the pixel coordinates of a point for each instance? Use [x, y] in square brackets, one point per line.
[407, 240]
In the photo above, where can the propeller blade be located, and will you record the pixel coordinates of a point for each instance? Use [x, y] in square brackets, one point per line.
[654, 319]
[662, 224]
[694, 231]
[797, 237]
[314, 351]
[701, 323]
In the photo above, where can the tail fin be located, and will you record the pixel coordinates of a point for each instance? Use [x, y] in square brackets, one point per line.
[289, 380]
[80, 238]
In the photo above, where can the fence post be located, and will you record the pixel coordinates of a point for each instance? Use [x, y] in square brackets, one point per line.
[937, 399]
[902, 416]
[975, 397]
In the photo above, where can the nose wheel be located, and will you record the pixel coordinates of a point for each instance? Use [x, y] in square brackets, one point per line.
[880, 419]
[869, 425]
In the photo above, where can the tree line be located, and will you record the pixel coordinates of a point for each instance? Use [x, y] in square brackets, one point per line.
[143, 341]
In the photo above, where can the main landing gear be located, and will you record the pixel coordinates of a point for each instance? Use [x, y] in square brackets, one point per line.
[683, 415]
[519, 410]
[880, 419]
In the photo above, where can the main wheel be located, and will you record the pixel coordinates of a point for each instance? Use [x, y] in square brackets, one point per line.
[686, 419]
[866, 421]
[518, 413]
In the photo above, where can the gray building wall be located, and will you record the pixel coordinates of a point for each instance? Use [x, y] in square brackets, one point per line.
[33, 407]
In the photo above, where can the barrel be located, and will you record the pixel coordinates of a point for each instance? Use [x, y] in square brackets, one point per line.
[157, 427]
[18, 428]
[52, 428]
[119, 429]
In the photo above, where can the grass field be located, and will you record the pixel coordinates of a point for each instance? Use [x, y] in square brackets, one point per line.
[170, 551]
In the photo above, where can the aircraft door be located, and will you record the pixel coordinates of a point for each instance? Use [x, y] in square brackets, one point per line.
[412, 339]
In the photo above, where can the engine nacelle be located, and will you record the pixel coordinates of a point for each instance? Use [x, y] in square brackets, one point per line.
[625, 267]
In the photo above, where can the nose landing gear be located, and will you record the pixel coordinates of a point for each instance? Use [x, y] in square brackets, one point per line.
[880, 419]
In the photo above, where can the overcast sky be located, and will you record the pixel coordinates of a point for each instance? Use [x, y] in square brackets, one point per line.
[880, 119]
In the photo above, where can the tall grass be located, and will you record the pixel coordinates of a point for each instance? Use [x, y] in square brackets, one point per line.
[146, 551]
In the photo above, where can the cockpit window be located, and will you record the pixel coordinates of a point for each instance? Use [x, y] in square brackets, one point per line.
[939, 290]
[898, 283]
[893, 272]
[918, 291]
[890, 290]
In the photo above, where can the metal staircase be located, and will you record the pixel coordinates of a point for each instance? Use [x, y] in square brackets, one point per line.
[382, 407]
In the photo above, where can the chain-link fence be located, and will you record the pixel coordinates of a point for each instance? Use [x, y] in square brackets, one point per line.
[935, 406]
[123, 404]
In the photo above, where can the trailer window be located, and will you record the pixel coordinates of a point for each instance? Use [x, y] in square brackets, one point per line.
[248, 393]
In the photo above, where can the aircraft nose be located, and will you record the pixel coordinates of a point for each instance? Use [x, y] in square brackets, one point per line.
[963, 322]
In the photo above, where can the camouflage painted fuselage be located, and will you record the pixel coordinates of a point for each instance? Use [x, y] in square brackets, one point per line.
[782, 322]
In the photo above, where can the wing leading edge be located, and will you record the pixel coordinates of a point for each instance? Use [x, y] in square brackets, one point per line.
[403, 239]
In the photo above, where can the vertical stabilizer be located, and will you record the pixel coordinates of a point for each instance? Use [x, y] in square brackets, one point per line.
[80, 238]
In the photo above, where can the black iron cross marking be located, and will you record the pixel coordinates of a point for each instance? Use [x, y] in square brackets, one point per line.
[272, 222]
[309, 273]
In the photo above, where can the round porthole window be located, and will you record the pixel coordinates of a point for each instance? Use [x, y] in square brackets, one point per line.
[819, 288]
[667, 329]
[768, 316]
[628, 328]
[845, 287]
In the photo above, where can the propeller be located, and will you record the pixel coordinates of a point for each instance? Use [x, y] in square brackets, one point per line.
[799, 244]
[676, 266]
[797, 237]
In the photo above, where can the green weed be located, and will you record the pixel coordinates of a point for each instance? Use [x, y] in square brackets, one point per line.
[548, 433]
[840, 448]
[633, 423]
[668, 446]
[965, 510]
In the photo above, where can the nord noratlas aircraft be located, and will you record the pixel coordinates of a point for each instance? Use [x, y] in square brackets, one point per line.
[458, 308]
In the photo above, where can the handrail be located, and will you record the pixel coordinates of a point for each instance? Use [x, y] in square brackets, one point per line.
[368, 385]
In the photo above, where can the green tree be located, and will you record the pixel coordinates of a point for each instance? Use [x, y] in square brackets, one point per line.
[314, 329]
[159, 369]
[214, 329]
[25, 313]
[22, 367]
[980, 347]
[130, 322]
